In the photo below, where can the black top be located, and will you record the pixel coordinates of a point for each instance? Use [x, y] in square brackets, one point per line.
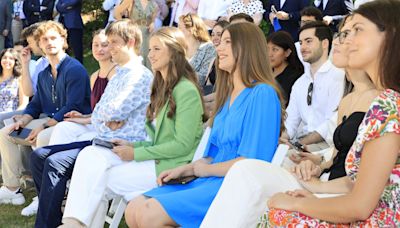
[207, 89]
[343, 138]
[286, 79]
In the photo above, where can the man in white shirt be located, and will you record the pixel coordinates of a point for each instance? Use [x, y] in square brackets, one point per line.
[211, 10]
[316, 94]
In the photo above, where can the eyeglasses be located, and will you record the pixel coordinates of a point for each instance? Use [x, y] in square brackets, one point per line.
[188, 20]
[309, 93]
[342, 36]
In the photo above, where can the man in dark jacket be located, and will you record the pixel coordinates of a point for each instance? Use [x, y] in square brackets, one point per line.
[70, 17]
[38, 10]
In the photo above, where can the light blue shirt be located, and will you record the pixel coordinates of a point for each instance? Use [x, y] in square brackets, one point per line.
[125, 99]
[41, 64]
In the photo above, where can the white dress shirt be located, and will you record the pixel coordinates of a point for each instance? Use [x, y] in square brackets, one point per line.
[328, 88]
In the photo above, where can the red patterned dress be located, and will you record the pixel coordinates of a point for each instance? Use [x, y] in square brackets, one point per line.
[383, 117]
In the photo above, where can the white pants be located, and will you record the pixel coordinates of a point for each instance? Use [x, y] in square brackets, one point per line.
[68, 132]
[243, 196]
[98, 170]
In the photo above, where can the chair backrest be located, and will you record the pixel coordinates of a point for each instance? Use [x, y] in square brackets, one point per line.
[280, 154]
[202, 145]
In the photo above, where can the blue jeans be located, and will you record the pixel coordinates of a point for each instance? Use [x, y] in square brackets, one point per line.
[51, 169]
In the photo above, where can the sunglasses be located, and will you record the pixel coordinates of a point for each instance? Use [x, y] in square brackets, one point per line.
[309, 93]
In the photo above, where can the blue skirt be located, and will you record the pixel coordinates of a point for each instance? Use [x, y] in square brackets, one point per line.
[187, 204]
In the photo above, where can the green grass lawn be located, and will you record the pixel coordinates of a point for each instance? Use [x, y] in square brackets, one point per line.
[10, 216]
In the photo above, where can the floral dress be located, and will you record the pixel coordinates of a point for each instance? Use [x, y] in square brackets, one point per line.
[9, 97]
[383, 117]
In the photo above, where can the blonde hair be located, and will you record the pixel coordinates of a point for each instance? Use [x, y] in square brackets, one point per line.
[127, 30]
[196, 26]
[178, 68]
[249, 48]
[48, 25]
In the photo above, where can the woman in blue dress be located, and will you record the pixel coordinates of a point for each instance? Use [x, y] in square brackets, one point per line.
[247, 125]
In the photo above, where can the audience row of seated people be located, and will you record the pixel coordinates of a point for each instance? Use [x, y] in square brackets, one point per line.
[155, 123]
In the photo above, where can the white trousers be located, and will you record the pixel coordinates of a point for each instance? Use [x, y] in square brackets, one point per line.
[243, 196]
[98, 170]
[68, 132]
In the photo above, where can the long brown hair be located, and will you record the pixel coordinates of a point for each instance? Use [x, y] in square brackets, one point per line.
[17, 69]
[178, 68]
[249, 48]
[385, 15]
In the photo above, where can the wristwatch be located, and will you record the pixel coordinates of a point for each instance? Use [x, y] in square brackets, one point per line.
[45, 125]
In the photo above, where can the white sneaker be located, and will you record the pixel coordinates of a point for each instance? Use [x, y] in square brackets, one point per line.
[32, 208]
[11, 197]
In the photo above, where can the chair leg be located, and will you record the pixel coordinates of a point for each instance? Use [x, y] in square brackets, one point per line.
[116, 212]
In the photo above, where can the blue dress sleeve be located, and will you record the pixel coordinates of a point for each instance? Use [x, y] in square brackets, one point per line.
[262, 124]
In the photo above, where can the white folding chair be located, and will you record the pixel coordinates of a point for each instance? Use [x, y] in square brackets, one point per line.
[118, 205]
[280, 154]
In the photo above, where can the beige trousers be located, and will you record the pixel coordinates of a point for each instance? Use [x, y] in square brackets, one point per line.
[11, 163]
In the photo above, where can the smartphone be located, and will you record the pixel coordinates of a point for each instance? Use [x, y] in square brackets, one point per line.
[21, 133]
[181, 180]
[103, 143]
[300, 147]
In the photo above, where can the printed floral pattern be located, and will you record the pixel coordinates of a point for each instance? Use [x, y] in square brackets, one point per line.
[383, 117]
[9, 98]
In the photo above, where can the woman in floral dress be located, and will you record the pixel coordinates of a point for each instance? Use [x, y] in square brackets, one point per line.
[374, 180]
[11, 97]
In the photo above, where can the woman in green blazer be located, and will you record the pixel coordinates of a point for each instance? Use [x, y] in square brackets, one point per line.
[174, 126]
[176, 111]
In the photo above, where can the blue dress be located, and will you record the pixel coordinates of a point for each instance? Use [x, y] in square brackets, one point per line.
[249, 128]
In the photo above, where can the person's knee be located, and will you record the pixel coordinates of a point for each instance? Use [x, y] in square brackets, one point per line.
[149, 214]
[37, 157]
[131, 210]
[43, 138]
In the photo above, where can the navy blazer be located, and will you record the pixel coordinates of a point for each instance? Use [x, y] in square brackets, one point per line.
[293, 8]
[32, 11]
[334, 8]
[70, 13]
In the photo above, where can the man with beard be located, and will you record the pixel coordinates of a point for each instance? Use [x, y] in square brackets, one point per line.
[62, 86]
[316, 94]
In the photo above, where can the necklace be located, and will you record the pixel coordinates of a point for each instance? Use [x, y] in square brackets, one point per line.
[109, 71]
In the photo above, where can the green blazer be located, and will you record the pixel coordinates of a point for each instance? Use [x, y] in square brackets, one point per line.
[175, 140]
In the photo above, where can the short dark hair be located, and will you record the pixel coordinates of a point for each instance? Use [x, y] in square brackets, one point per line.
[222, 24]
[29, 31]
[312, 11]
[22, 43]
[239, 16]
[322, 31]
